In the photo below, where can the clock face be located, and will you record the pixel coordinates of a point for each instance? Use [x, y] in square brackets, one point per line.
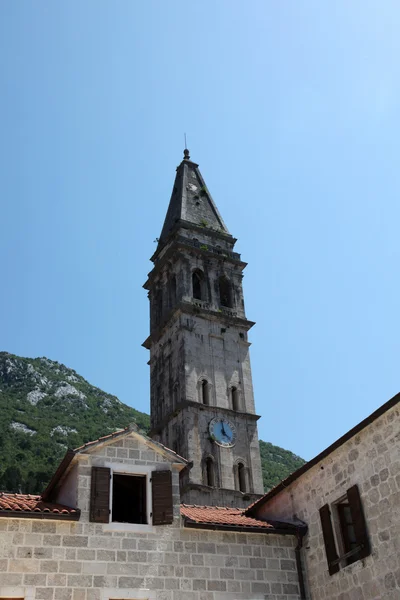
[223, 432]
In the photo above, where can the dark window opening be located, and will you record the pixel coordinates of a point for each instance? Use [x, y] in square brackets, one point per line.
[210, 475]
[235, 398]
[242, 477]
[205, 392]
[172, 292]
[158, 302]
[350, 528]
[225, 293]
[129, 499]
[347, 530]
[197, 281]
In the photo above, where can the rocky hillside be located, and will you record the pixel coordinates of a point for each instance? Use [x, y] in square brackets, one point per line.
[46, 408]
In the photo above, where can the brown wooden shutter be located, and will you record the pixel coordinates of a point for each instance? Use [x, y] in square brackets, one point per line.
[100, 495]
[357, 516]
[329, 540]
[161, 487]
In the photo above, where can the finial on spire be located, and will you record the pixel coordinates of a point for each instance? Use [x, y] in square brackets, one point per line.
[186, 155]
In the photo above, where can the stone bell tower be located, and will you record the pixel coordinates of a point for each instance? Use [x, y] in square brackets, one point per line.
[202, 403]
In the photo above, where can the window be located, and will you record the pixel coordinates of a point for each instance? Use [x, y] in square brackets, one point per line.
[225, 292]
[235, 398]
[210, 472]
[350, 533]
[172, 292]
[137, 497]
[198, 285]
[241, 477]
[205, 392]
[158, 306]
[129, 499]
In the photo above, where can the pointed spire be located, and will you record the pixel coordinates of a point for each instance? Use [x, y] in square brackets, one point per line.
[191, 201]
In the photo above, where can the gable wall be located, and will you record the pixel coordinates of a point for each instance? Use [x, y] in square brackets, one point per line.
[54, 560]
[370, 459]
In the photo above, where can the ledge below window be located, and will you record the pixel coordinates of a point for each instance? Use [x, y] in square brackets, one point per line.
[132, 527]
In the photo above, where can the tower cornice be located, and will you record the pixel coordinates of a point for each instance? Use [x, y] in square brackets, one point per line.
[201, 309]
[195, 228]
[213, 410]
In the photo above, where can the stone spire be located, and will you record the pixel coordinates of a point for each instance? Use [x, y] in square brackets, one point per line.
[191, 202]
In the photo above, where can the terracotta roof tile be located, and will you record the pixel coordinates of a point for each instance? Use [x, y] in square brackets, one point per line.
[221, 515]
[25, 503]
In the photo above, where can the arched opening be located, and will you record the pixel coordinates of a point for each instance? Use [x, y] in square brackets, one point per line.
[235, 398]
[210, 472]
[172, 291]
[205, 392]
[225, 292]
[197, 283]
[242, 477]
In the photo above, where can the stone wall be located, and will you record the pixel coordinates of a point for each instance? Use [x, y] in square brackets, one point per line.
[370, 459]
[56, 560]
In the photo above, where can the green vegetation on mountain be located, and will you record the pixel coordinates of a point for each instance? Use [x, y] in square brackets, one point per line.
[277, 464]
[46, 408]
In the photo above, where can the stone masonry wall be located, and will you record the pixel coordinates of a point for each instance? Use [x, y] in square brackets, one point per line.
[56, 560]
[370, 459]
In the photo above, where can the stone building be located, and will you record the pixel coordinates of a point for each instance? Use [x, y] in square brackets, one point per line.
[110, 526]
[202, 403]
[349, 496]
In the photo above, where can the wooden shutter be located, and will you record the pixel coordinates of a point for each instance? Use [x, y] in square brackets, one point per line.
[357, 516]
[329, 540]
[100, 495]
[161, 487]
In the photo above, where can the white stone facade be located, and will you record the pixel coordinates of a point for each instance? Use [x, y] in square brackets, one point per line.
[60, 560]
[370, 459]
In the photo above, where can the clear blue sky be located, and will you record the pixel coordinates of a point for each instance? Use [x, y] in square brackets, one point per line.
[292, 111]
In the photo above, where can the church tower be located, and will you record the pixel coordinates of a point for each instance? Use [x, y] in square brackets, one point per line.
[202, 403]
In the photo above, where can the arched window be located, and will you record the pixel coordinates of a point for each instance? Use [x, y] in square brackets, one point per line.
[172, 291]
[235, 398]
[225, 292]
[210, 472]
[198, 284]
[242, 477]
[205, 392]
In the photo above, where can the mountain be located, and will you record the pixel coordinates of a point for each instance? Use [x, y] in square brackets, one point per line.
[46, 408]
[277, 464]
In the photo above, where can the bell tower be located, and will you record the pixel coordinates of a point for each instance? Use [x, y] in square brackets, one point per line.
[202, 403]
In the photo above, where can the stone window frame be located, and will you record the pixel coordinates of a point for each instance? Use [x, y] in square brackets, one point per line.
[123, 469]
[237, 462]
[215, 474]
[332, 531]
[200, 380]
[201, 276]
[239, 397]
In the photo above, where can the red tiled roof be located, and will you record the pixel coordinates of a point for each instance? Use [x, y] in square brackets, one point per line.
[221, 515]
[31, 506]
